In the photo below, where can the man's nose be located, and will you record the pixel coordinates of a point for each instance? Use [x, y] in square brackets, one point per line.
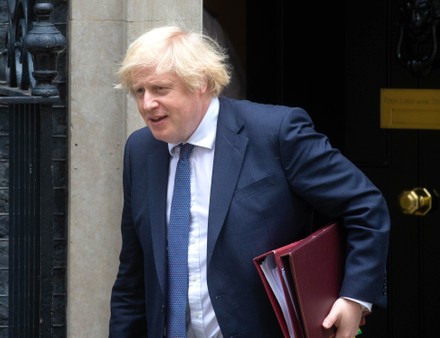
[149, 101]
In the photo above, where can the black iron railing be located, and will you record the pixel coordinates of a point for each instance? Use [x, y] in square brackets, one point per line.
[32, 51]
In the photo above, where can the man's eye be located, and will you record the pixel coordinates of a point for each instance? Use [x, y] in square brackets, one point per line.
[139, 91]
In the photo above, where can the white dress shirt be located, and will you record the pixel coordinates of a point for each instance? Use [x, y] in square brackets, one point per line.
[202, 321]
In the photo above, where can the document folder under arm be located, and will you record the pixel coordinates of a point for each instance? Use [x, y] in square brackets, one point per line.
[302, 281]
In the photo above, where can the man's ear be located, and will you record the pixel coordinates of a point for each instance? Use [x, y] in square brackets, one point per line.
[203, 87]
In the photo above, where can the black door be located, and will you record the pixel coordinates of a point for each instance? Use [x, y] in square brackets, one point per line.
[390, 44]
[333, 59]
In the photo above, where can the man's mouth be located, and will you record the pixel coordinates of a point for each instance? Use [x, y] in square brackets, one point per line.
[157, 118]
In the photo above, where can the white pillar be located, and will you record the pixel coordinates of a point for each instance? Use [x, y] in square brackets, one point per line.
[100, 118]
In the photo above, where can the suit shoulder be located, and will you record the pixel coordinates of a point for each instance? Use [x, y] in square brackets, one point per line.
[142, 140]
[254, 112]
[138, 134]
[142, 136]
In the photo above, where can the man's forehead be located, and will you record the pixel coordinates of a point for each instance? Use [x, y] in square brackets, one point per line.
[151, 74]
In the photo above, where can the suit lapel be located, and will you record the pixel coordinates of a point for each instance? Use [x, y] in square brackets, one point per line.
[157, 172]
[230, 148]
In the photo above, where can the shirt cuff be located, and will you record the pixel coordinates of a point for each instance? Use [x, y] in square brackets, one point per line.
[367, 307]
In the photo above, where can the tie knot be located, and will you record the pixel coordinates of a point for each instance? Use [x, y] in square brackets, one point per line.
[185, 151]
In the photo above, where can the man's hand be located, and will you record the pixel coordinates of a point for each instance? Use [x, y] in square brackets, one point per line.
[345, 315]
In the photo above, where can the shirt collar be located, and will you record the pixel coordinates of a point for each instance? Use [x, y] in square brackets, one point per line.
[204, 135]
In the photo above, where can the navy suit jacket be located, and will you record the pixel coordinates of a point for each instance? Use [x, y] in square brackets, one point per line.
[271, 170]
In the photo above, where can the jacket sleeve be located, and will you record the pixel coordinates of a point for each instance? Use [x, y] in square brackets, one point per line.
[128, 318]
[338, 189]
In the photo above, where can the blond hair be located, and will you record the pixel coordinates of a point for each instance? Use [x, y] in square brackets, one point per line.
[194, 57]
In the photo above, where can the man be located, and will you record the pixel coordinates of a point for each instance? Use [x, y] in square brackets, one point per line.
[257, 173]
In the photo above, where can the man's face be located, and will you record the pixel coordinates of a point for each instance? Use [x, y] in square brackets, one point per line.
[170, 110]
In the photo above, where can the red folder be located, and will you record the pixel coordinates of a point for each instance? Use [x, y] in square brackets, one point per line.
[303, 280]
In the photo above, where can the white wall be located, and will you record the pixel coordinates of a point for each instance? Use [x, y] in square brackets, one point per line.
[101, 117]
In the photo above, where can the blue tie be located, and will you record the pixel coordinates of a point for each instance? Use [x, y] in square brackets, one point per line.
[178, 232]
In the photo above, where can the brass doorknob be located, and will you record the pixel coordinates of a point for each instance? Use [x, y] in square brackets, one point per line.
[417, 201]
